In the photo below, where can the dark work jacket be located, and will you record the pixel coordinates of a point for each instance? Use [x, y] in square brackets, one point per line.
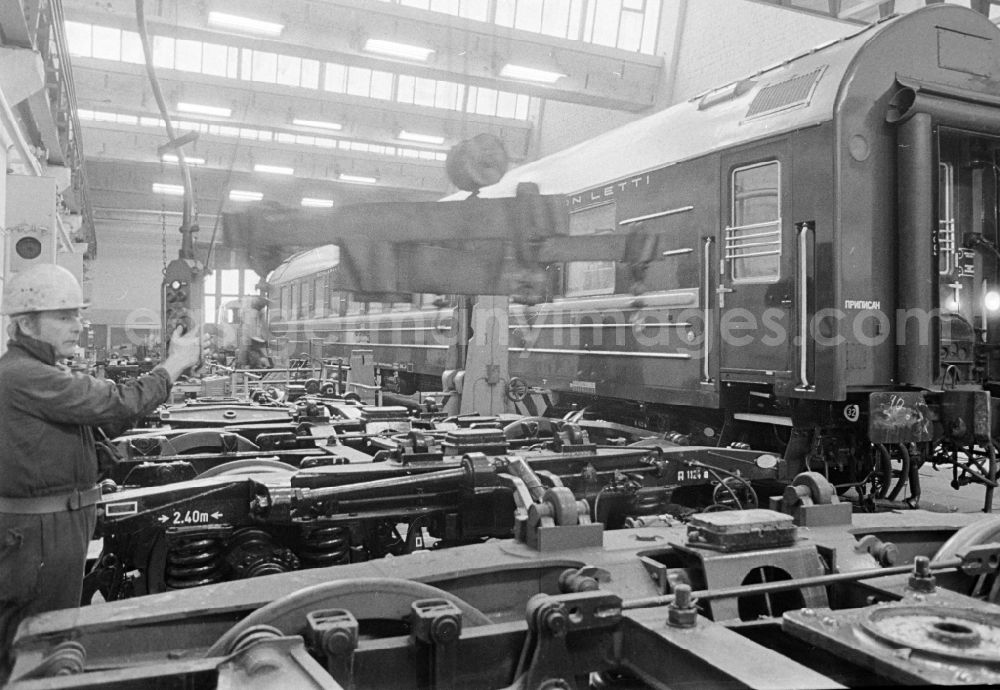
[46, 414]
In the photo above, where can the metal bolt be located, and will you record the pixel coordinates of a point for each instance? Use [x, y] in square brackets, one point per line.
[682, 612]
[682, 596]
[921, 580]
[445, 629]
[337, 641]
[887, 554]
[963, 677]
[809, 612]
[553, 619]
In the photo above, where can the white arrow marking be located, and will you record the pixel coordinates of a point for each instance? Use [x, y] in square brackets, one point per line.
[216, 515]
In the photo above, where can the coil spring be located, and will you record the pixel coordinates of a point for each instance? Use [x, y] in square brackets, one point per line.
[194, 561]
[323, 546]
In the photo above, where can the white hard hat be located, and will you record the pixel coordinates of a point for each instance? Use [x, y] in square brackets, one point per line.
[45, 287]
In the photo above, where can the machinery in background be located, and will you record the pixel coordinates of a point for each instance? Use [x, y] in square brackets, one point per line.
[806, 596]
[213, 505]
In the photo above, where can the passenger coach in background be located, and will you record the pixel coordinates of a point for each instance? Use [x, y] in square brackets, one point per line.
[812, 268]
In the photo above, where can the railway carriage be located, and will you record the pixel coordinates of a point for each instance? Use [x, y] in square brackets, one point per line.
[812, 265]
[412, 338]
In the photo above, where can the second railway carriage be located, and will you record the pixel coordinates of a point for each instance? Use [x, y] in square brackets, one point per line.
[311, 313]
[813, 262]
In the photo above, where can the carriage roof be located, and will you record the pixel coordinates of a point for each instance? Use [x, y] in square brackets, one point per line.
[796, 93]
[305, 263]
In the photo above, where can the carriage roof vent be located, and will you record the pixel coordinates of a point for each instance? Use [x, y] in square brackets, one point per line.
[790, 93]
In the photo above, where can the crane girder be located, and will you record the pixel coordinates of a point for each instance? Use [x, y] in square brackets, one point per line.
[474, 246]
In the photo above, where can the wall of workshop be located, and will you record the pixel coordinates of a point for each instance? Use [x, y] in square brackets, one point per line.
[126, 277]
[4, 143]
[703, 43]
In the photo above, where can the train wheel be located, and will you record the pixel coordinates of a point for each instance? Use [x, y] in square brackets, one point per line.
[565, 511]
[368, 599]
[986, 586]
[248, 466]
[991, 475]
[821, 492]
[876, 481]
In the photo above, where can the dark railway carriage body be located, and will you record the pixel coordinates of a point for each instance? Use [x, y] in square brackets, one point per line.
[777, 205]
[822, 257]
[813, 266]
[411, 338]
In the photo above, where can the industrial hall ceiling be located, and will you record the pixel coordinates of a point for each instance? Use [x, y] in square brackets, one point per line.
[325, 102]
[321, 103]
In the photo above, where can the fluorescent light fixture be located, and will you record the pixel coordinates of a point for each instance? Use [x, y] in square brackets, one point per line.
[422, 138]
[276, 169]
[170, 189]
[243, 195]
[405, 51]
[357, 179]
[190, 160]
[310, 202]
[204, 109]
[318, 124]
[513, 71]
[238, 23]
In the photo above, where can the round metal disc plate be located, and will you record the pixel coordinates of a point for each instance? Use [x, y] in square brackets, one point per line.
[964, 635]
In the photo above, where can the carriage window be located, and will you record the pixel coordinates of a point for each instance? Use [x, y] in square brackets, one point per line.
[305, 298]
[337, 299]
[297, 300]
[354, 306]
[946, 221]
[338, 303]
[753, 241]
[591, 277]
[286, 302]
[399, 305]
[319, 288]
[429, 300]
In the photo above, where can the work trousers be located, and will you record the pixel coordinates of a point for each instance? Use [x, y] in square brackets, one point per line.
[42, 561]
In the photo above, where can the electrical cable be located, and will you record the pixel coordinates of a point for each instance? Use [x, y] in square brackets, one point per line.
[222, 200]
[713, 469]
[722, 483]
[187, 250]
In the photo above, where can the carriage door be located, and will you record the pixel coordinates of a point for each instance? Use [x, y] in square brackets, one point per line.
[755, 290]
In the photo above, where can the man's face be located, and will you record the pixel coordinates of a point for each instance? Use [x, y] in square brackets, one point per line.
[60, 329]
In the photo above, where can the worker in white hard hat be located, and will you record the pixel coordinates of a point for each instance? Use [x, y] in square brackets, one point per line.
[48, 461]
[257, 354]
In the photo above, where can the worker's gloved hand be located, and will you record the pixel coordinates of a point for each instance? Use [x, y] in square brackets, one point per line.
[187, 349]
